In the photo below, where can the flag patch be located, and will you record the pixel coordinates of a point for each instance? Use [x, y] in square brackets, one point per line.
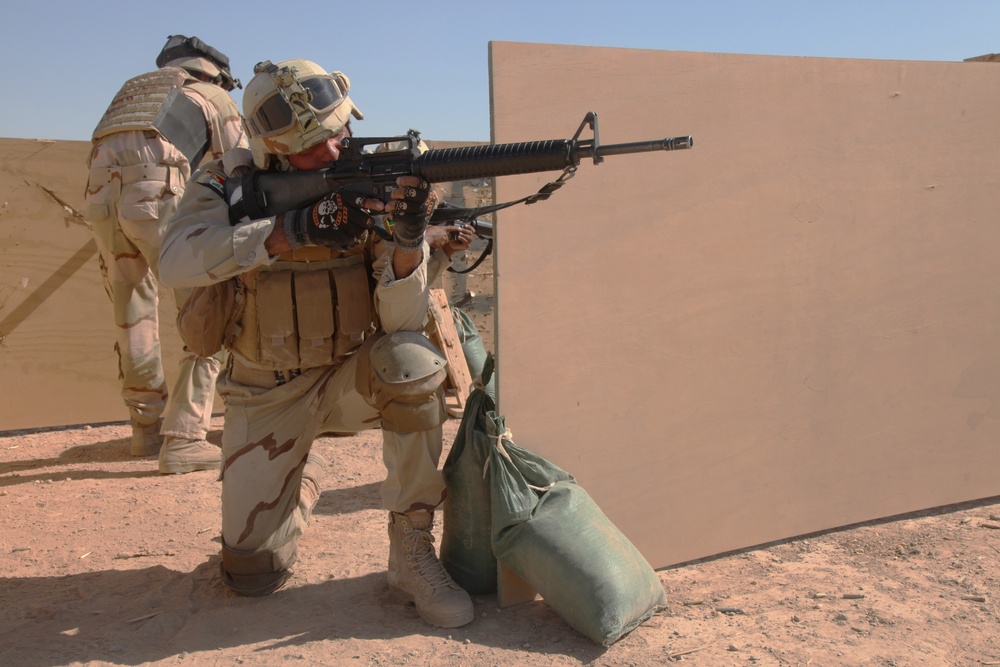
[214, 181]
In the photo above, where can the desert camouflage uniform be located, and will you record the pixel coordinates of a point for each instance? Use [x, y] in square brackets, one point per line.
[279, 397]
[136, 179]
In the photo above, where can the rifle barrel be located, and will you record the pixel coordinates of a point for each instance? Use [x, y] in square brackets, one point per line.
[668, 144]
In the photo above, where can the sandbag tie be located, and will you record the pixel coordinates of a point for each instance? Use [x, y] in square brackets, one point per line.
[541, 489]
[506, 435]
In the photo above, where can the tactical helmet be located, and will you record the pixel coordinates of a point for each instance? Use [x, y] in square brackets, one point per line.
[191, 53]
[292, 106]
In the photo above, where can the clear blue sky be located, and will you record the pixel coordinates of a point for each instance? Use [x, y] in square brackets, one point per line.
[424, 64]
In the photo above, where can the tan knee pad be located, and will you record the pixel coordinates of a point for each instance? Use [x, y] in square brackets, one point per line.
[256, 573]
[402, 376]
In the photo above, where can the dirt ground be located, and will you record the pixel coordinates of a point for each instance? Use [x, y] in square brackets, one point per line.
[105, 562]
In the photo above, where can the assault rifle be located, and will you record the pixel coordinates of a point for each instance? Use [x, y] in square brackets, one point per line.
[373, 174]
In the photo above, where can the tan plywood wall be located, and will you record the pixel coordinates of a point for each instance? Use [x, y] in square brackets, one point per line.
[57, 360]
[791, 327]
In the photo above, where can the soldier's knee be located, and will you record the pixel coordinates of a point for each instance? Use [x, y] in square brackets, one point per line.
[402, 376]
[256, 573]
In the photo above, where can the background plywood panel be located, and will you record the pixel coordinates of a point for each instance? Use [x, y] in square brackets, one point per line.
[791, 327]
[57, 359]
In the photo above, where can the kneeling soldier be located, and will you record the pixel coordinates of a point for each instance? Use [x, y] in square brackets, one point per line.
[324, 338]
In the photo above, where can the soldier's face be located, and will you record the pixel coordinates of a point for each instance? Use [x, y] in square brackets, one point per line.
[321, 155]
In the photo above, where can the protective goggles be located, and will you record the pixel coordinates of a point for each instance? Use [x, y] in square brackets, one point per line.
[275, 113]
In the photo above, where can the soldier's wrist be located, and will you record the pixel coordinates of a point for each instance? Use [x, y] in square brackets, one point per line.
[296, 230]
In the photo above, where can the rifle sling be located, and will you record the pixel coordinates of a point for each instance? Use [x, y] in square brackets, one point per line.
[543, 193]
[475, 265]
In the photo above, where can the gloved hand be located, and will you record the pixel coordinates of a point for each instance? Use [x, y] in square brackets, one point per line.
[411, 206]
[336, 221]
[450, 238]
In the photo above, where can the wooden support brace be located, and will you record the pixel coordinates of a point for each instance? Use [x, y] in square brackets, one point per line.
[443, 333]
[512, 589]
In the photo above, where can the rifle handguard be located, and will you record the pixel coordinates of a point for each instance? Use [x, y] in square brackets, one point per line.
[474, 162]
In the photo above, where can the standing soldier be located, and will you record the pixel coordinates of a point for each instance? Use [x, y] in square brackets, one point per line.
[159, 128]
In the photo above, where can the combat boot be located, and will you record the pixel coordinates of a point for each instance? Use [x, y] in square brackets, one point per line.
[181, 455]
[312, 476]
[416, 573]
[146, 438]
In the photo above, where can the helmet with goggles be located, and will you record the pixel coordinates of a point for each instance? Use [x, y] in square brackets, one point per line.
[194, 55]
[292, 106]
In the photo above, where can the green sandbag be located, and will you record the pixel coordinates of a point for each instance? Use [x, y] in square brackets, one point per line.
[551, 533]
[472, 347]
[466, 551]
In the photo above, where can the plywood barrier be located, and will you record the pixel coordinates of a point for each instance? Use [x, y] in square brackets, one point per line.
[791, 327]
[57, 359]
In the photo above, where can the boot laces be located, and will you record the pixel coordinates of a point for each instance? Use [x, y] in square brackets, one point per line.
[420, 543]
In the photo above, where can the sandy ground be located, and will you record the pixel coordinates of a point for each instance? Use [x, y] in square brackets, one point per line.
[105, 562]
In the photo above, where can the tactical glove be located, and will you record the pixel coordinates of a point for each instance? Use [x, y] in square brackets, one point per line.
[411, 214]
[333, 222]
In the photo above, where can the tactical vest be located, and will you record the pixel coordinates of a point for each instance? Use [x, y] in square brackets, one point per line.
[311, 307]
[155, 101]
[216, 96]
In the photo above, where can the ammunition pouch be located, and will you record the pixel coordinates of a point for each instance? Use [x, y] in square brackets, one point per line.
[136, 190]
[303, 314]
[206, 319]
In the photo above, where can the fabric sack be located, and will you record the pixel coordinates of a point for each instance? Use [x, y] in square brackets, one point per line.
[472, 347]
[466, 549]
[551, 533]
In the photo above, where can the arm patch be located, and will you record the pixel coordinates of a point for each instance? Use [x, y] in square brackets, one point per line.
[214, 181]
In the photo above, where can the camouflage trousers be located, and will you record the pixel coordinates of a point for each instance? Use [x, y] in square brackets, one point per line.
[268, 433]
[128, 237]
